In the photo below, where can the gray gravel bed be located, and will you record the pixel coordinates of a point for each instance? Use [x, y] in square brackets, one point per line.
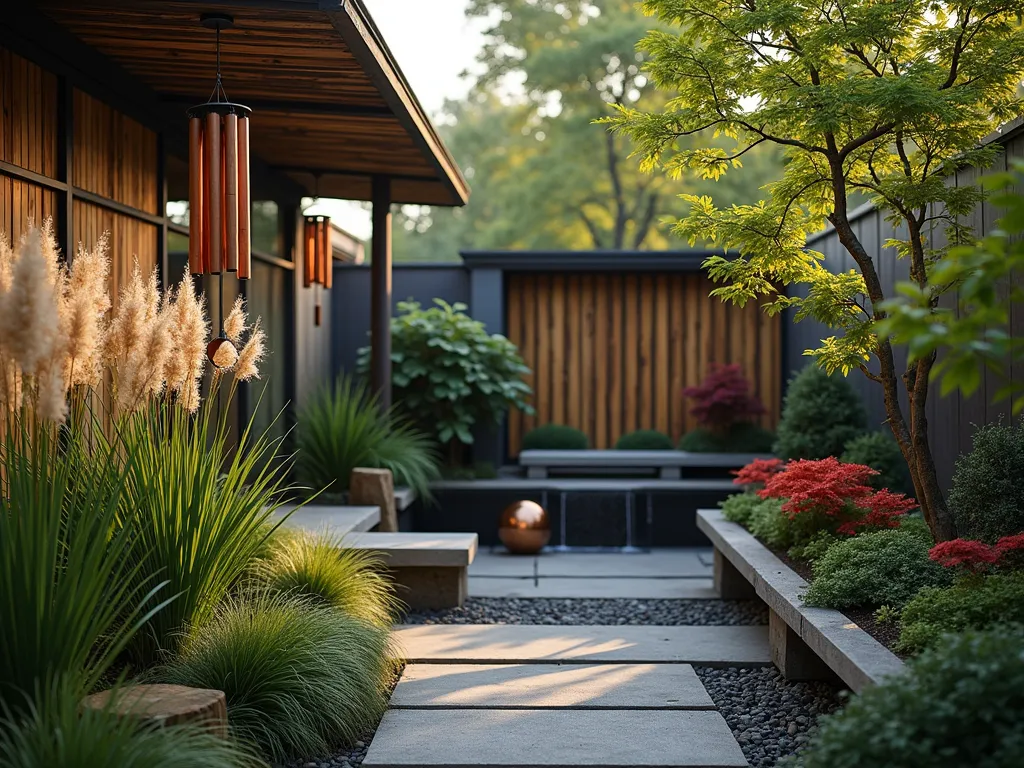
[770, 716]
[599, 611]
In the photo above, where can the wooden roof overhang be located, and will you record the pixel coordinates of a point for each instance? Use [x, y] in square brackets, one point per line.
[328, 98]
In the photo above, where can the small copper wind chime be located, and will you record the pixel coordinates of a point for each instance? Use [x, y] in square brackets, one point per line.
[218, 141]
[317, 256]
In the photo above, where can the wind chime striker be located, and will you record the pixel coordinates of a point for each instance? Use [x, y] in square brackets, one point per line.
[218, 131]
[317, 255]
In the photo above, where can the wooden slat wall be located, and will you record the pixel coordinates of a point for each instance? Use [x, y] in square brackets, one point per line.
[28, 139]
[130, 239]
[611, 353]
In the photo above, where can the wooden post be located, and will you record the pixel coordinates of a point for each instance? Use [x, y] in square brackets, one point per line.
[375, 488]
[380, 291]
[729, 582]
[166, 705]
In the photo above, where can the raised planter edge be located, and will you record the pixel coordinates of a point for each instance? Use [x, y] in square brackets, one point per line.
[850, 652]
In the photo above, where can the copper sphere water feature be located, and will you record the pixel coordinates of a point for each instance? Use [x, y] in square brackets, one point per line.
[524, 528]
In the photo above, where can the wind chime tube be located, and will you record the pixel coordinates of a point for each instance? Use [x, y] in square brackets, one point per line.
[328, 255]
[195, 196]
[214, 193]
[231, 200]
[321, 278]
[309, 252]
[244, 264]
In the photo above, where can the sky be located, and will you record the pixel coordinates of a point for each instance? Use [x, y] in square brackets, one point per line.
[433, 43]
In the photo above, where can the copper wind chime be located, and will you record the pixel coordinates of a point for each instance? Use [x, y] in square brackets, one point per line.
[317, 255]
[218, 149]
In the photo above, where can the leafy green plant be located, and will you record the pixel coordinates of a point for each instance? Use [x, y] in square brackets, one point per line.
[820, 415]
[741, 437]
[816, 547]
[644, 440]
[879, 451]
[343, 427]
[986, 498]
[741, 507]
[875, 568]
[886, 614]
[322, 569]
[555, 437]
[957, 705]
[772, 526]
[57, 732]
[299, 677]
[70, 597]
[972, 603]
[449, 374]
[196, 508]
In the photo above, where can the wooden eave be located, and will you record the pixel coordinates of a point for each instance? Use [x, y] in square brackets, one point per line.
[331, 109]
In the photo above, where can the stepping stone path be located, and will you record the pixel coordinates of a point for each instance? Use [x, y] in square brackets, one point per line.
[541, 695]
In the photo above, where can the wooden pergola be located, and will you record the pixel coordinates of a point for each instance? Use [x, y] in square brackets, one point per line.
[332, 113]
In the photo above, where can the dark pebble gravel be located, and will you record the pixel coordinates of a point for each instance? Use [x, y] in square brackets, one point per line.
[660, 612]
[769, 716]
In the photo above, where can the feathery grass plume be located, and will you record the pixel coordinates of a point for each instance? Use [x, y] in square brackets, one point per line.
[235, 322]
[6, 263]
[225, 357]
[189, 330]
[321, 568]
[30, 307]
[137, 341]
[251, 354]
[300, 678]
[87, 303]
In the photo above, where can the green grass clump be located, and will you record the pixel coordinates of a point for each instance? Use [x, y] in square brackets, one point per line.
[343, 427]
[955, 706]
[972, 603]
[57, 732]
[320, 568]
[874, 569]
[742, 437]
[644, 440]
[300, 678]
[555, 437]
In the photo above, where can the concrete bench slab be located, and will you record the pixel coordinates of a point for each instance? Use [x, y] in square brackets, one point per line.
[550, 686]
[657, 564]
[508, 644]
[667, 464]
[628, 588]
[570, 485]
[530, 737]
[404, 497]
[429, 569]
[332, 520]
[806, 642]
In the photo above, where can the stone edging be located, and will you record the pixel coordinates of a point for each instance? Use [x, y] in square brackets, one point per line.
[850, 652]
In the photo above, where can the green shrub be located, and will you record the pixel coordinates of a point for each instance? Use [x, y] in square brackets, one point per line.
[740, 507]
[986, 498]
[742, 437]
[321, 568]
[972, 603]
[555, 437]
[879, 451]
[873, 569]
[343, 427]
[957, 705]
[197, 506]
[449, 374]
[816, 547]
[644, 440]
[58, 733]
[771, 525]
[299, 677]
[820, 415]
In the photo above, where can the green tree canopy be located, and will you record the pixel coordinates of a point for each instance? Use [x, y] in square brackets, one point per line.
[880, 97]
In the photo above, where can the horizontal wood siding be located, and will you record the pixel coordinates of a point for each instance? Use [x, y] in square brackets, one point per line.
[130, 240]
[612, 352]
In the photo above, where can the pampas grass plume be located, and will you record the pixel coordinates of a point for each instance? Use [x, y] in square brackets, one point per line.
[30, 310]
[235, 322]
[252, 353]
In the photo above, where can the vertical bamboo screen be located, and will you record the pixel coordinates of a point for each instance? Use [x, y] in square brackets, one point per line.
[612, 352]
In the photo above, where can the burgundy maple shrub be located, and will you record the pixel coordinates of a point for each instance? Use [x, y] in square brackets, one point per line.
[976, 557]
[829, 495]
[723, 399]
[758, 472]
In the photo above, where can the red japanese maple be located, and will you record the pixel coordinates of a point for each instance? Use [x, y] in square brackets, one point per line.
[723, 398]
[973, 556]
[1011, 551]
[758, 471]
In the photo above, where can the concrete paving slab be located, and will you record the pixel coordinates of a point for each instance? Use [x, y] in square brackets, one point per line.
[659, 563]
[634, 589]
[489, 563]
[550, 686]
[508, 644]
[332, 520]
[513, 738]
[418, 549]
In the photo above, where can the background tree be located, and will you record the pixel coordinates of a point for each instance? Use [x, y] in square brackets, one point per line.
[543, 175]
[884, 98]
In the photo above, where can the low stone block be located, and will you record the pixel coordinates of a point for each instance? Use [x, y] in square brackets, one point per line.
[793, 657]
[166, 705]
[430, 587]
[730, 584]
[375, 488]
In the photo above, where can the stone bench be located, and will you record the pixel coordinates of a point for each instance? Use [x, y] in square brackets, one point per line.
[429, 569]
[331, 520]
[667, 465]
[806, 643]
[163, 705]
